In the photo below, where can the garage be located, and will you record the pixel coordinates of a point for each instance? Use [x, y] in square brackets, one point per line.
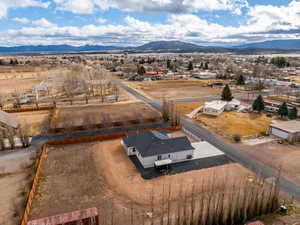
[288, 130]
[279, 133]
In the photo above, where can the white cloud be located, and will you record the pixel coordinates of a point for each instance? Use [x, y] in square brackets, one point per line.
[7, 4]
[101, 20]
[43, 23]
[265, 23]
[21, 20]
[76, 6]
[172, 6]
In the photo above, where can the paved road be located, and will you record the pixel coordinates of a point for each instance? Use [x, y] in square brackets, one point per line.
[229, 149]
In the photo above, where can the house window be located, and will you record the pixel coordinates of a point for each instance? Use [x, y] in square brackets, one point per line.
[189, 157]
[169, 156]
[133, 149]
[159, 157]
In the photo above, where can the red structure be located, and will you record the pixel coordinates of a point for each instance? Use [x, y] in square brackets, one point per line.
[81, 217]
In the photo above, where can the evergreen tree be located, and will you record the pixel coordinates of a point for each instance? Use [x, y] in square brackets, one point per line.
[226, 94]
[293, 113]
[169, 65]
[258, 104]
[283, 110]
[190, 66]
[206, 66]
[141, 70]
[201, 66]
[241, 80]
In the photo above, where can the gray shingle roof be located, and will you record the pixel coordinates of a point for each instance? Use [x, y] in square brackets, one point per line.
[151, 143]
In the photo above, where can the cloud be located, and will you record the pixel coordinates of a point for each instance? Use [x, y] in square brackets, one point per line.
[5, 5]
[171, 6]
[101, 20]
[265, 22]
[76, 6]
[43, 23]
[21, 20]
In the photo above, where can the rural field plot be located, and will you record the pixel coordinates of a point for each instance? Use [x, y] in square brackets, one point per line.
[93, 114]
[101, 175]
[8, 86]
[176, 89]
[22, 78]
[234, 123]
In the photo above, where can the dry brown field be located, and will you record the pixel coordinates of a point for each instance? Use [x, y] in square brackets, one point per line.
[95, 114]
[175, 89]
[234, 123]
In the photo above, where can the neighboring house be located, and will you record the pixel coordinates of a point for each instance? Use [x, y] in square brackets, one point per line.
[154, 149]
[214, 108]
[288, 130]
[8, 121]
[234, 104]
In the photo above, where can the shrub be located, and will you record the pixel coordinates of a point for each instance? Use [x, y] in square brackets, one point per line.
[237, 138]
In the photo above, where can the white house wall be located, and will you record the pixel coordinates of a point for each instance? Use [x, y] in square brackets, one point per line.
[212, 111]
[175, 157]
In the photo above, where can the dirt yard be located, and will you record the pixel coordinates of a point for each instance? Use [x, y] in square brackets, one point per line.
[284, 156]
[100, 174]
[93, 114]
[12, 195]
[175, 89]
[233, 123]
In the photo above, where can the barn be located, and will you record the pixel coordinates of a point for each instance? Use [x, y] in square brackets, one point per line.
[287, 130]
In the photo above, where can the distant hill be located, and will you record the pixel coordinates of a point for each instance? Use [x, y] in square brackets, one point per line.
[168, 45]
[275, 44]
[158, 46]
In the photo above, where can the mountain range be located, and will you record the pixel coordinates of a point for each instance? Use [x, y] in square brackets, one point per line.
[156, 46]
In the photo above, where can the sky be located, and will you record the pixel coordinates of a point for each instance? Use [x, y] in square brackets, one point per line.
[136, 22]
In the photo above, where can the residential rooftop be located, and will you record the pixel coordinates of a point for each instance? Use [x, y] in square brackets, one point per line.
[291, 126]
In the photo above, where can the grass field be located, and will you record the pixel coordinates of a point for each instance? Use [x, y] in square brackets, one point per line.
[233, 123]
[188, 107]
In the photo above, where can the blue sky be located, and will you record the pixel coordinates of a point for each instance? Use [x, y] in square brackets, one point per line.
[134, 22]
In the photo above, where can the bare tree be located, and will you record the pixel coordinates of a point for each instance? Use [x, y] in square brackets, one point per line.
[2, 100]
[24, 134]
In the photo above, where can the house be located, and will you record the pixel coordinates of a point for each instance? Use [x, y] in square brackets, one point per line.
[233, 105]
[288, 130]
[8, 121]
[214, 108]
[154, 149]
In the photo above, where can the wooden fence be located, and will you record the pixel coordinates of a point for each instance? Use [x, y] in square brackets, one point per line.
[100, 125]
[28, 109]
[34, 185]
[42, 155]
